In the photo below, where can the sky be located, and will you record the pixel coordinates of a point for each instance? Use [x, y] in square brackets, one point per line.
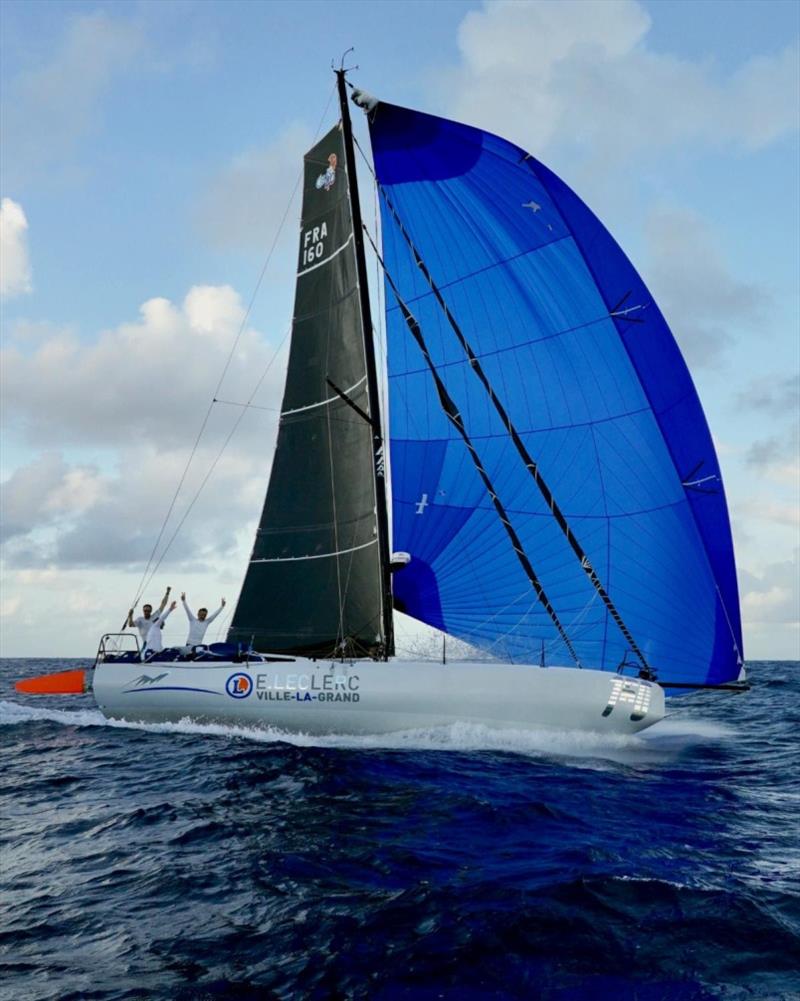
[150, 152]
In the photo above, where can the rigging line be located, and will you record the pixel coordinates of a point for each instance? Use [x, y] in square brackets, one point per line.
[142, 585]
[502, 611]
[222, 624]
[518, 345]
[345, 398]
[510, 632]
[579, 243]
[575, 624]
[379, 339]
[377, 330]
[245, 318]
[730, 626]
[351, 560]
[343, 394]
[520, 446]
[454, 416]
[248, 406]
[213, 466]
[271, 250]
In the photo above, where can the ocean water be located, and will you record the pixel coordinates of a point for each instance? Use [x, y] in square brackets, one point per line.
[189, 862]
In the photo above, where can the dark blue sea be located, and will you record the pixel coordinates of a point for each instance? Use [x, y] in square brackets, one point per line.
[192, 863]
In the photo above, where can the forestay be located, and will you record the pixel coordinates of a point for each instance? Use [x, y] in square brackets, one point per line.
[576, 349]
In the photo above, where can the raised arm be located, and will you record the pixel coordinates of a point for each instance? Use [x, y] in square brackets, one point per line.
[164, 600]
[129, 623]
[162, 616]
[212, 617]
[190, 616]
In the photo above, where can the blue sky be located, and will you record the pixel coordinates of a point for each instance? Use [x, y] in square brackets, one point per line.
[149, 151]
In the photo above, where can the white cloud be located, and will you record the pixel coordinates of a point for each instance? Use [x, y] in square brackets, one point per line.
[59, 515]
[578, 82]
[77, 605]
[45, 490]
[245, 203]
[772, 595]
[786, 474]
[775, 395]
[50, 107]
[126, 408]
[700, 297]
[9, 607]
[767, 509]
[777, 457]
[81, 537]
[773, 460]
[145, 381]
[15, 265]
[771, 609]
[570, 72]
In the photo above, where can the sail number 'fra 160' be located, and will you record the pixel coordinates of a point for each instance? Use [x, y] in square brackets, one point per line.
[313, 244]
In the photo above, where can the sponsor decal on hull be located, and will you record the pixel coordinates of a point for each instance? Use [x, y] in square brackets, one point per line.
[239, 685]
[144, 683]
[145, 679]
[308, 688]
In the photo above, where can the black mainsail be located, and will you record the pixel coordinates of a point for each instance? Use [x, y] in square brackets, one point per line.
[316, 582]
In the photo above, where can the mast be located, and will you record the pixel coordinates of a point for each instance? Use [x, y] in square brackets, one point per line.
[379, 464]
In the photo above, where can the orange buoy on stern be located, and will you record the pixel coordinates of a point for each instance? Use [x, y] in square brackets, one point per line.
[60, 683]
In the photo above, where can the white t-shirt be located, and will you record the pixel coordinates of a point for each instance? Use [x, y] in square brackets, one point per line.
[143, 625]
[197, 629]
[154, 642]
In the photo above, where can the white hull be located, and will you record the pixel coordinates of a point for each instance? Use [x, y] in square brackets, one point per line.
[361, 697]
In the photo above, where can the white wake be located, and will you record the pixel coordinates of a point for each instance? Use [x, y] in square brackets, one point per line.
[663, 741]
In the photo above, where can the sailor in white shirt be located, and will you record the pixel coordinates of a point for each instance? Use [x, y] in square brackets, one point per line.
[145, 621]
[199, 623]
[155, 641]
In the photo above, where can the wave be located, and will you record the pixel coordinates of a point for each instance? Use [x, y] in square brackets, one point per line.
[663, 741]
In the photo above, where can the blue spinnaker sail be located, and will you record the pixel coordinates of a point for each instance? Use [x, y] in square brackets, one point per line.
[585, 365]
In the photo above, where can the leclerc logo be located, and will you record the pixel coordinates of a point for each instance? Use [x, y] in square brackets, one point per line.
[239, 686]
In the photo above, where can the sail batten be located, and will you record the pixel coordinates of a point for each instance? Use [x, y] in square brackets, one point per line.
[574, 346]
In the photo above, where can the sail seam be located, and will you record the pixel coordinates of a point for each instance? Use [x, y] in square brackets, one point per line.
[495, 264]
[530, 464]
[315, 556]
[543, 429]
[511, 347]
[656, 414]
[453, 414]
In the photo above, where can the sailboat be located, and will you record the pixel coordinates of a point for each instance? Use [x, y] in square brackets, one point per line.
[543, 487]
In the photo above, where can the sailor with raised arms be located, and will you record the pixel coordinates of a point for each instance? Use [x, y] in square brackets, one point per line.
[154, 642]
[144, 622]
[198, 624]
